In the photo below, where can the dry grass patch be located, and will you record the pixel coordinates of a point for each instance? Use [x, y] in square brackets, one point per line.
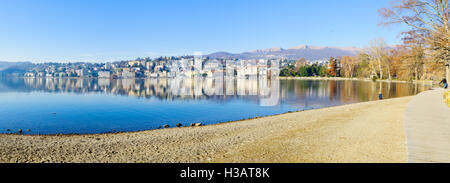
[447, 98]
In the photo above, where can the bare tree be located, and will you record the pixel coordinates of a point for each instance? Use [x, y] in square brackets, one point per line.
[377, 52]
[428, 20]
[349, 66]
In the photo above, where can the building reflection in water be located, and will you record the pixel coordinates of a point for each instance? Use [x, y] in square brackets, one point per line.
[266, 92]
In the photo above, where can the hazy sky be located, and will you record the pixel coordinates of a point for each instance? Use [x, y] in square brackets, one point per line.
[109, 30]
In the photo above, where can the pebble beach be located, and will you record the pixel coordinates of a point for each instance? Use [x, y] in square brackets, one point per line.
[356, 133]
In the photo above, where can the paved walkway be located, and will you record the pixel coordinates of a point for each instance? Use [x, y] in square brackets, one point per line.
[427, 125]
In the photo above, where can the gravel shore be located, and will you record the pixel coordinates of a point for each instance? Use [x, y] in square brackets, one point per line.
[364, 132]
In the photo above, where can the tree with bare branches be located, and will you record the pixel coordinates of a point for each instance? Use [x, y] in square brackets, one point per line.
[377, 50]
[349, 66]
[428, 20]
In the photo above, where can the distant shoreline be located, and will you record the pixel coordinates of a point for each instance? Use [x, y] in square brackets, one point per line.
[424, 82]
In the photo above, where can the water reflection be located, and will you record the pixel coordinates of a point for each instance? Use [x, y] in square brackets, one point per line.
[76, 105]
[268, 92]
[304, 93]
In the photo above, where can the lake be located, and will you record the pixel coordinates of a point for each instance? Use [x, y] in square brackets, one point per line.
[85, 106]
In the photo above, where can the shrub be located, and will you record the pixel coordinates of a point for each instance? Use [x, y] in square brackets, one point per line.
[374, 78]
[447, 98]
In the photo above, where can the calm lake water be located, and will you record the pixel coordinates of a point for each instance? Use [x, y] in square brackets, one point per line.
[83, 106]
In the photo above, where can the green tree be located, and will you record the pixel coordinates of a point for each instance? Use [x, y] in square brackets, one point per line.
[303, 71]
[322, 71]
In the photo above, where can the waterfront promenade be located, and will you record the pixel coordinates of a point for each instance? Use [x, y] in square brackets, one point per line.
[427, 126]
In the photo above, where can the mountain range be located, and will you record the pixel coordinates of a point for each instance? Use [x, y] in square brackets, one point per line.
[303, 51]
[14, 67]
[294, 53]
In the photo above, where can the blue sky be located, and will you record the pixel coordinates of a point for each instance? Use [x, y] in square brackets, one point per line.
[110, 30]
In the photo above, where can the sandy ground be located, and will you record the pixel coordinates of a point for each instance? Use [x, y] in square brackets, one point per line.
[364, 132]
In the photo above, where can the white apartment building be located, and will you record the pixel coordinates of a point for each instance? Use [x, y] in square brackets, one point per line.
[275, 68]
[198, 64]
[213, 65]
[104, 74]
[127, 74]
[81, 72]
[230, 67]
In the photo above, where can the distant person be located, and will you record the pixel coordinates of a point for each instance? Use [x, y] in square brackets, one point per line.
[380, 96]
[444, 81]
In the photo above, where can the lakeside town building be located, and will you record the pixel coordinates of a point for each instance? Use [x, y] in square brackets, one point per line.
[169, 67]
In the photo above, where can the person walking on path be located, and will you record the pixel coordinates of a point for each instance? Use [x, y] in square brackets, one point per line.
[444, 81]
